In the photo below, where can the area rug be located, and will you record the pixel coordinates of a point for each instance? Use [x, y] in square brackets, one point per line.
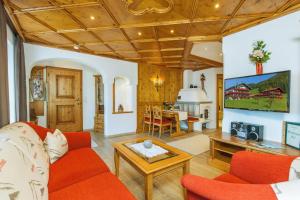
[194, 145]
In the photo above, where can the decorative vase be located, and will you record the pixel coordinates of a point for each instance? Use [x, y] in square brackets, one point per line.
[148, 144]
[259, 68]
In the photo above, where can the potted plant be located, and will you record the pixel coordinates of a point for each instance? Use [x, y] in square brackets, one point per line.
[259, 55]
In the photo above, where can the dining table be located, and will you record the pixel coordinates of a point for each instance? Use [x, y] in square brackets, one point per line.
[176, 116]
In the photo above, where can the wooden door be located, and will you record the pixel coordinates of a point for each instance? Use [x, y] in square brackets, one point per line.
[219, 99]
[64, 99]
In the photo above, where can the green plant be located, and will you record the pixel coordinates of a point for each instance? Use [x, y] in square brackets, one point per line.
[259, 54]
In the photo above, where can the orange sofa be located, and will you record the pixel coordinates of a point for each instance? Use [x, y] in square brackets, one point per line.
[249, 178]
[80, 173]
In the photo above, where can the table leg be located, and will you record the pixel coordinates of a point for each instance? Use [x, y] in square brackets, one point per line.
[186, 167]
[117, 162]
[186, 170]
[148, 187]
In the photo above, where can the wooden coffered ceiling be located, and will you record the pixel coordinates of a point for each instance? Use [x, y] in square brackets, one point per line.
[108, 28]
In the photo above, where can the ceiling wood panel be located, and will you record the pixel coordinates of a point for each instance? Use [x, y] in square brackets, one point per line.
[101, 18]
[67, 2]
[30, 3]
[146, 33]
[105, 27]
[147, 45]
[57, 19]
[53, 38]
[111, 35]
[207, 8]
[125, 46]
[172, 44]
[206, 28]
[172, 30]
[30, 25]
[261, 6]
[82, 37]
[98, 48]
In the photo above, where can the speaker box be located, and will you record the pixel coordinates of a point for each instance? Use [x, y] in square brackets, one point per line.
[247, 131]
[255, 132]
[236, 127]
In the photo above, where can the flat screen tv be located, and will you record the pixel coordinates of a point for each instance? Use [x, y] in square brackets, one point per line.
[266, 92]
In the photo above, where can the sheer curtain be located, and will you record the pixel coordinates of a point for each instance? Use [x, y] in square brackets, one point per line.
[4, 94]
[21, 100]
[13, 99]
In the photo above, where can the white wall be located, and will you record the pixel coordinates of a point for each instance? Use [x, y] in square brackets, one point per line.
[191, 77]
[108, 68]
[282, 36]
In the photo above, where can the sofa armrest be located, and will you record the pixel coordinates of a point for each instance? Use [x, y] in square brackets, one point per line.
[199, 188]
[260, 168]
[78, 140]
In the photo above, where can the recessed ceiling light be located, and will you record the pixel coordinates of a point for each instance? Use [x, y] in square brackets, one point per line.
[76, 46]
[139, 33]
[171, 31]
[217, 5]
[92, 17]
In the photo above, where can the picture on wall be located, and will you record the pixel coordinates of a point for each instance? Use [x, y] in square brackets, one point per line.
[266, 92]
[292, 134]
[37, 89]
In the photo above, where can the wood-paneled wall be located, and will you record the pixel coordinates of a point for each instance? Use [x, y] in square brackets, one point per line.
[147, 93]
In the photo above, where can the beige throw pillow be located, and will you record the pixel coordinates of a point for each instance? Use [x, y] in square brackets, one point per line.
[19, 176]
[56, 145]
[27, 140]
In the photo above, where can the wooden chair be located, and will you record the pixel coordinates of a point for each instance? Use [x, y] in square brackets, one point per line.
[147, 119]
[159, 121]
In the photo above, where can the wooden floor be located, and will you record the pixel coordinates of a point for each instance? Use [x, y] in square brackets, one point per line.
[167, 186]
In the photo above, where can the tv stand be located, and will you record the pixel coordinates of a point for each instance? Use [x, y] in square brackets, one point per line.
[223, 146]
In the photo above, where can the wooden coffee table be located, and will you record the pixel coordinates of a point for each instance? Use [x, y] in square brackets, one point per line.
[150, 169]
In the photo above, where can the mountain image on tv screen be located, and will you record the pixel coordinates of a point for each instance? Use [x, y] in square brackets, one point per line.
[267, 92]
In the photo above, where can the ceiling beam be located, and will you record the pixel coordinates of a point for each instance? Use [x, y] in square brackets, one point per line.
[163, 23]
[284, 6]
[187, 44]
[205, 60]
[236, 9]
[155, 33]
[14, 19]
[55, 7]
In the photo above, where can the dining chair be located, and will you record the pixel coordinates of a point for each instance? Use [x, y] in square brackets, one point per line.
[159, 121]
[147, 118]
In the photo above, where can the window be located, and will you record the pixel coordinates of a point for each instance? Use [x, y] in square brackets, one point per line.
[11, 76]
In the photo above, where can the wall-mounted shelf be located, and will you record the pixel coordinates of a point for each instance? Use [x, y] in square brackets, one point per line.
[125, 112]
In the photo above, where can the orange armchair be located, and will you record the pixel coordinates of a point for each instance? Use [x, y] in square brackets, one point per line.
[249, 178]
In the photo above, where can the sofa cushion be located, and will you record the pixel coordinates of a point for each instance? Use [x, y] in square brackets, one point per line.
[56, 145]
[230, 179]
[75, 166]
[41, 131]
[103, 186]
